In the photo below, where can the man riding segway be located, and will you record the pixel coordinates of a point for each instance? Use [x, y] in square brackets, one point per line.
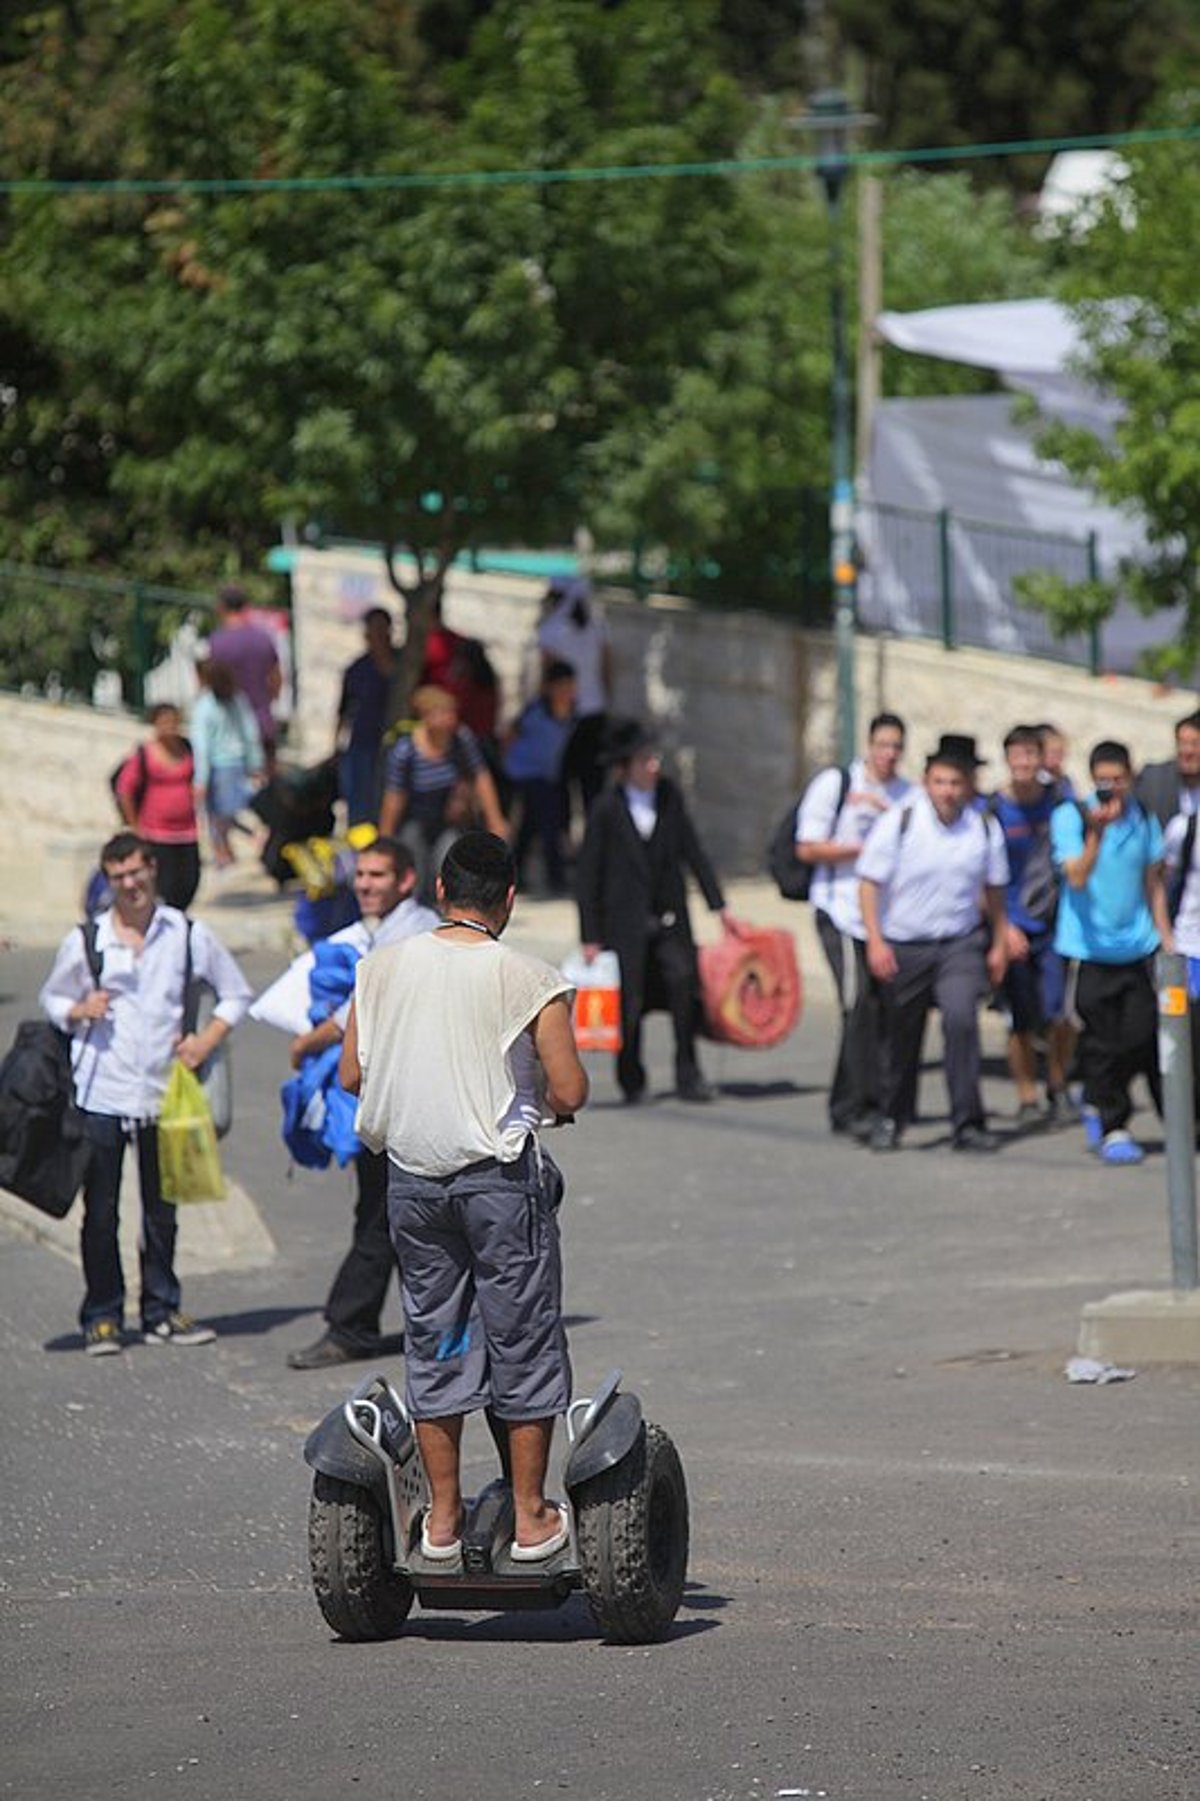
[460, 1050]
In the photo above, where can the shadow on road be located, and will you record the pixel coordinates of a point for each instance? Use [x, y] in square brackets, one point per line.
[571, 1623]
[766, 1091]
[226, 1325]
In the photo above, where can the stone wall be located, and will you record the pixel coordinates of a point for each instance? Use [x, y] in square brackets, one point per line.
[56, 804]
[745, 705]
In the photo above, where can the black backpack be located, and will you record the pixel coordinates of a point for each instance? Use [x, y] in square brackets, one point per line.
[143, 779]
[44, 1154]
[792, 877]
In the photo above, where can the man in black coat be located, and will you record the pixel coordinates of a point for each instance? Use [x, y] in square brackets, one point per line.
[632, 894]
[1165, 789]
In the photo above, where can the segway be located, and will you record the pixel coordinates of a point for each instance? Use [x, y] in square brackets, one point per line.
[627, 1548]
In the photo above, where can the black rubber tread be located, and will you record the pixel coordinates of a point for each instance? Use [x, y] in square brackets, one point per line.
[360, 1595]
[632, 1528]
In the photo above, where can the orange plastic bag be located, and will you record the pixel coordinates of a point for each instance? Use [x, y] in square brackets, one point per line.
[750, 986]
[597, 985]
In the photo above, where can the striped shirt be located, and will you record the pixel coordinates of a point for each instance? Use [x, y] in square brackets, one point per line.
[429, 781]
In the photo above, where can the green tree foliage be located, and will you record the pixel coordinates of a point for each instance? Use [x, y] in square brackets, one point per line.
[939, 73]
[430, 367]
[1134, 292]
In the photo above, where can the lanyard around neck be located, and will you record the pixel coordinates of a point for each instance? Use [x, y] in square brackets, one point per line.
[472, 925]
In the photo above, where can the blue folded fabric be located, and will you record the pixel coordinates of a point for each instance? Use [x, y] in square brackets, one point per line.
[318, 1114]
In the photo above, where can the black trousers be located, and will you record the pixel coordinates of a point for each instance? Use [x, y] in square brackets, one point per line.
[949, 974]
[178, 872]
[355, 1305]
[104, 1279]
[544, 817]
[1118, 1012]
[669, 969]
[857, 1084]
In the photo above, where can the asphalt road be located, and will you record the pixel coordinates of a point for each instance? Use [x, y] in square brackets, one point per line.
[923, 1563]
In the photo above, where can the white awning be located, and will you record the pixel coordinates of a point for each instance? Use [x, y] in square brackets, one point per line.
[1013, 337]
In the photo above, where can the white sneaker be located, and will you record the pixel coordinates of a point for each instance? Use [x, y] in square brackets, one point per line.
[178, 1329]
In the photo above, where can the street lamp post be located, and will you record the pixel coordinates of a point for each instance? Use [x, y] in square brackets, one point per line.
[832, 122]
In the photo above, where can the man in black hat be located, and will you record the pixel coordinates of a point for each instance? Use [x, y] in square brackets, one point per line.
[632, 894]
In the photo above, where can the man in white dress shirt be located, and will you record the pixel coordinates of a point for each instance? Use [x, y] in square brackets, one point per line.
[121, 999]
[933, 876]
[837, 813]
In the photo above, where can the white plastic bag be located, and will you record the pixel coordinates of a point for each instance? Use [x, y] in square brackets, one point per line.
[597, 986]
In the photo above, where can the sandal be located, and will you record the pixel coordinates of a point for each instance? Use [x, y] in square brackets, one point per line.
[548, 1547]
[438, 1553]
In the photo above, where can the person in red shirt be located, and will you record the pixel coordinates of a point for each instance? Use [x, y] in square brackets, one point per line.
[460, 665]
[154, 793]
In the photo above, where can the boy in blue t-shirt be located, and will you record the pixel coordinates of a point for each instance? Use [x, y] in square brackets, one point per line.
[1112, 916]
[1035, 985]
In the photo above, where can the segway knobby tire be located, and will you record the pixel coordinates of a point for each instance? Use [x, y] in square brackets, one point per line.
[358, 1592]
[632, 1528]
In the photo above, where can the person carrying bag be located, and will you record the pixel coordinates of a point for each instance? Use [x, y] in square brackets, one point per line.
[122, 1001]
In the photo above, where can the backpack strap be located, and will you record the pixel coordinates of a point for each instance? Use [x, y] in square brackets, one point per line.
[191, 992]
[1175, 893]
[91, 950]
[191, 995]
[459, 757]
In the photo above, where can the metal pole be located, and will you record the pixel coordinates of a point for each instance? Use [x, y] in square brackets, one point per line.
[842, 566]
[831, 119]
[1175, 1062]
[141, 651]
[1093, 560]
[870, 305]
[946, 577]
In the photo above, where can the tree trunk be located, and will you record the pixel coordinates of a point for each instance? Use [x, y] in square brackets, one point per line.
[419, 602]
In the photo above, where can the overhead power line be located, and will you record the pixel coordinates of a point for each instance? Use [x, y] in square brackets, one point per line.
[483, 178]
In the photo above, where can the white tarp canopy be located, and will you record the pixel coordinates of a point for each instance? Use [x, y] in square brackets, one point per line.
[1032, 345]
[1022, 337]
[966, 456]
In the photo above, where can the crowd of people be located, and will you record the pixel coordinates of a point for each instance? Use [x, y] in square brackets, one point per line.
[171, 784]
[942, 893]
[1043, 903]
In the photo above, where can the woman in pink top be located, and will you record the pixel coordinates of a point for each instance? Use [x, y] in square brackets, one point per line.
[154, 793]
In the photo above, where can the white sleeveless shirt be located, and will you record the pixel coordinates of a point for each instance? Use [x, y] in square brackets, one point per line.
[449, 1071]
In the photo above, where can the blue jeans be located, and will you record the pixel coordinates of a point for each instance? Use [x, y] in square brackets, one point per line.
[358, 779]
[104, 1279]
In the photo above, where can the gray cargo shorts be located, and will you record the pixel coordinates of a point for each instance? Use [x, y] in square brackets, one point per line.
[481, 1276]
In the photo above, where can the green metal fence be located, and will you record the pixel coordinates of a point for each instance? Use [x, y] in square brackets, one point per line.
[940, 575]
[88, 637]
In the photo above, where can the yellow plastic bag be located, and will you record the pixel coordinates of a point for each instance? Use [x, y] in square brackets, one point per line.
[188, 1161]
